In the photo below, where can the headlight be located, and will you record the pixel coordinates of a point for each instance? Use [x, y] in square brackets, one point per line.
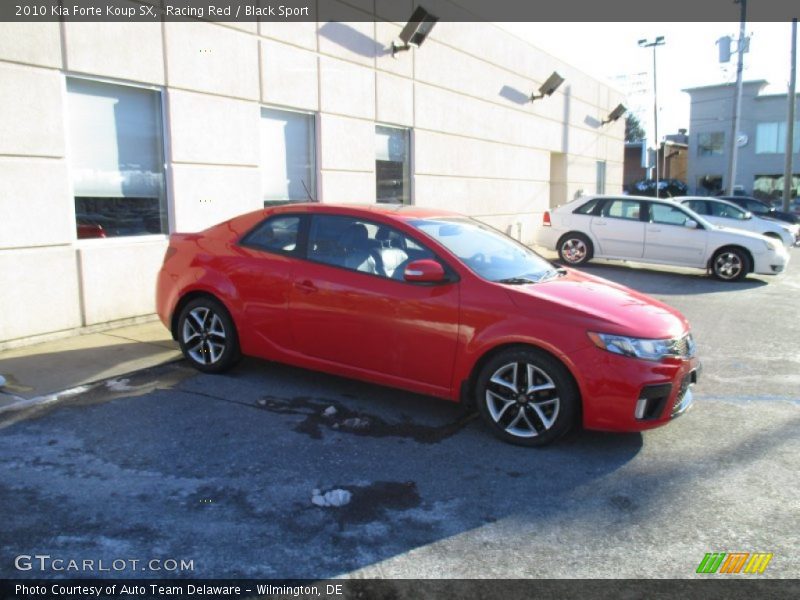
[646, 349]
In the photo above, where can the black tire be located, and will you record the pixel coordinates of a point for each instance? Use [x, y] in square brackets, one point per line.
[575, 249]
[730, 264]
[207, 335]
[535, 417]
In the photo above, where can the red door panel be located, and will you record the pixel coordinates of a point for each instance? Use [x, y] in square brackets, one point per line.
[371, 322]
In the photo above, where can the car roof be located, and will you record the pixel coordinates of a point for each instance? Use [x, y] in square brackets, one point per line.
[711, 199]
[396, 211]
[588, 197]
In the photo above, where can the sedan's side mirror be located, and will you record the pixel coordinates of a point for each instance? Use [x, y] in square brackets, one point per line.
[424, 271]
[748, 215]
[690, 223]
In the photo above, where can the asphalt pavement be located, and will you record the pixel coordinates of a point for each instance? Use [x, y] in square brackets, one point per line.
[221, 472]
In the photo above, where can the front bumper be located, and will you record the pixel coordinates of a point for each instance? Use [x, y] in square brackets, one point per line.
[771, 262]
[613, 388]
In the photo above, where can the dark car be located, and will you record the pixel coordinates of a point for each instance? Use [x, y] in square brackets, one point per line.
[762, 209]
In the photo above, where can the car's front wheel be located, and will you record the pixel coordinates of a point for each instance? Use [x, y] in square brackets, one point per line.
[207, 335]
[730, 264]
[527, 397]
[575, 248]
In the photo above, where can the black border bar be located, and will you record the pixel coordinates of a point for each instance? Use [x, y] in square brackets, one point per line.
[398, 10]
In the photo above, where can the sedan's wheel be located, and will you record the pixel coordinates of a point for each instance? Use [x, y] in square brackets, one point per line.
[207, 335]
[730, 264]
[575, 249]
[527, 397]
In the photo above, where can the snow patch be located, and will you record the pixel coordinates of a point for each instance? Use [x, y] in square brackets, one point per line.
[337, 497]
[119, 385]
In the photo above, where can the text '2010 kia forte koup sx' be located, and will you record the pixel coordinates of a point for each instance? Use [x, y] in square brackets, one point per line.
[432, 302]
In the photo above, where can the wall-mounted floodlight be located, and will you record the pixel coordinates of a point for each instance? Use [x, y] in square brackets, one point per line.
[615, 114]
[416, 30]
[549, 86]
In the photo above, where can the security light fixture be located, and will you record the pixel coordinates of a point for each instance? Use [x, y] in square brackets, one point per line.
[416, 30]
[615, 114]
[549, 86]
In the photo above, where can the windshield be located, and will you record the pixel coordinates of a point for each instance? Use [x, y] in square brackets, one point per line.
[489, 253]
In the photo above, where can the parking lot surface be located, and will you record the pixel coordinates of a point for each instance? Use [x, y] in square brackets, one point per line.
[223, 470]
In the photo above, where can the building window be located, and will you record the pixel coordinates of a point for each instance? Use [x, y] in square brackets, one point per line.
[711, 144]
[288, 169]
[392, 165]
[601, 177]
[771, 138]
[116, 159]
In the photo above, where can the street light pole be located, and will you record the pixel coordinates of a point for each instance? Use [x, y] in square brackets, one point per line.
[737, 99]
[659, 41]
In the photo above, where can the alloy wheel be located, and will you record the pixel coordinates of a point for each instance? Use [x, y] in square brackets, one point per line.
[204, 335]
[728, 265]
[522, 399]
[574, 250]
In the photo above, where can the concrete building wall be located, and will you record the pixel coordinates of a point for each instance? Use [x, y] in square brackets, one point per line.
[477, 145]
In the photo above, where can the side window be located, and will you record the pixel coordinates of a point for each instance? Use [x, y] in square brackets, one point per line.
[698, 206]
[718, 209]
[587, 208]
[667, 215]
[277, 234]
[362, 246]
[756, 208]
[622, 209]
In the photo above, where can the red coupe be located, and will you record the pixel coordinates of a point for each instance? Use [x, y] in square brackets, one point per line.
[432, 302]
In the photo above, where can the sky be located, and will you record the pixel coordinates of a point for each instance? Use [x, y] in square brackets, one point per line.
[689, 58]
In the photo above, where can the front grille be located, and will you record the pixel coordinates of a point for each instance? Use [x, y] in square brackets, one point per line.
[680, 406]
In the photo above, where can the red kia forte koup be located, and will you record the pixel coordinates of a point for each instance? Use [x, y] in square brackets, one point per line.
[432, 302]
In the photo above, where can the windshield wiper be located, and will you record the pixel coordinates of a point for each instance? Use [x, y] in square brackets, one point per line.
[516, 280]
[559, 272]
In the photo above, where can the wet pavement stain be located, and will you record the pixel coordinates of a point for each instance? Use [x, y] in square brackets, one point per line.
[319, 415]
[370, 502]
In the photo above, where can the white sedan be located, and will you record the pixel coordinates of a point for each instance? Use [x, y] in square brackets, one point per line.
[656, 231]
[725, 213]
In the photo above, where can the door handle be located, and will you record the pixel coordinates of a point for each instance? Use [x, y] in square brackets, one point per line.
[654, 229]
[599, 223]
[305, 286]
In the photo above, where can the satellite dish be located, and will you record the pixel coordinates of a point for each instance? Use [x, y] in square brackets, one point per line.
[742, 139]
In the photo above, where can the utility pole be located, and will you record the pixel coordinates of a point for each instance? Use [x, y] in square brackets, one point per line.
[787, 165]
[659, 41]
[737, 99]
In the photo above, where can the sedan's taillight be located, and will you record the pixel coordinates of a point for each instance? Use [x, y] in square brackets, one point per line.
[546, 219]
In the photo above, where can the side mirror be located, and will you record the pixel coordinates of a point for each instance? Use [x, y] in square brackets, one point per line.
[424, 271]
[690, 223]
[748, 215]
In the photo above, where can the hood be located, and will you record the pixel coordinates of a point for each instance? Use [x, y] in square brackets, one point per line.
[599, 305]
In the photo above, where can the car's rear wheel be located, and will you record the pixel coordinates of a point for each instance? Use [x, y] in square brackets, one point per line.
[527, 397]
[730, 264]
[575, 248]
[207, 335]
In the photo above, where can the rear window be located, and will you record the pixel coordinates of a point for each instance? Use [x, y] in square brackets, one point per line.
[276, 234]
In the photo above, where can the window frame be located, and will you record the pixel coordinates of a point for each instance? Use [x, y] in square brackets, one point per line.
[710, 152]
[451, 274]
[313, 190]
[609, 201]
[165, 152]
[649, 207]
[409, 131]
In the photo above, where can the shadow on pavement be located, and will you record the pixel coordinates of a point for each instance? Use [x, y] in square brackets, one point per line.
[221, 470]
